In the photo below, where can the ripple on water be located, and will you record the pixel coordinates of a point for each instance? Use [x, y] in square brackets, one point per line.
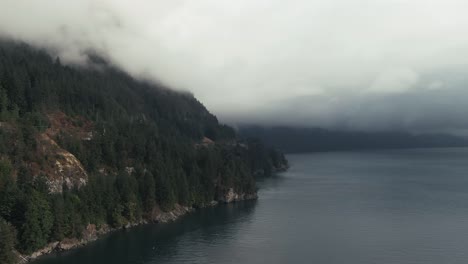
[395, 206]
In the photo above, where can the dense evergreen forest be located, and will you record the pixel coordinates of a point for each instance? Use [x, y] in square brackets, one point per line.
[303, 139]
[138, 146]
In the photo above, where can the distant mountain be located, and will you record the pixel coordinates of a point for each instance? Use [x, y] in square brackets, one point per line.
[299, 139]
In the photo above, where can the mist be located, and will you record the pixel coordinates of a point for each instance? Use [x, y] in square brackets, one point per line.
[355, 65]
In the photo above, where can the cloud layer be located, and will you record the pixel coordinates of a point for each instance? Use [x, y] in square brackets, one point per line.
[356, 64]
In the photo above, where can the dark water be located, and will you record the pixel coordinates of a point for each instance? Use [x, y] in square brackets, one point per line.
[395, 206]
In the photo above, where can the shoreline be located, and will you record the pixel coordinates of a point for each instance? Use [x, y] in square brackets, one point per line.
[92, 233]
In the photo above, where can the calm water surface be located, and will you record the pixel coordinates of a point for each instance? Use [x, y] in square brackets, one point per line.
[393, 206]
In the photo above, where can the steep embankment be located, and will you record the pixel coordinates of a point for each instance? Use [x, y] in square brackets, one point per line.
[84, 150]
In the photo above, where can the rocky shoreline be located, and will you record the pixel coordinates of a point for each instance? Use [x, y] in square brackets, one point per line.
[92, 232]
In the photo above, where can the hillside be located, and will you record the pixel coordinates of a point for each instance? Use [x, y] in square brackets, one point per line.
[82, 146]
[300, 139]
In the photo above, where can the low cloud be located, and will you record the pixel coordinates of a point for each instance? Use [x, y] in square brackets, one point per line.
[357, 64]
[395, 81]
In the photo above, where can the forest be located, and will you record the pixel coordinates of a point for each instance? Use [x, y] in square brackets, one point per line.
[138, 145]
[307, 139]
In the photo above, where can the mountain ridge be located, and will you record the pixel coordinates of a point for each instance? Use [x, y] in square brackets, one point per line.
[80, 146]
[305, 139]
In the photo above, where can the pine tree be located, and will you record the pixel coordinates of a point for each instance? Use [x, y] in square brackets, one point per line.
[148, 192]
[7, 243]
[8, 190]
[112, 121]
[60, 221]
[3, 104]
[38, 223]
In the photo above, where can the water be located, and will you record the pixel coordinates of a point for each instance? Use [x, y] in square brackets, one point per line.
[393, 206]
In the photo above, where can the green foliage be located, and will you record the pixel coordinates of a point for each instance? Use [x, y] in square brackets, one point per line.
[141, 147]
[7, 242]
[38, 222]
[148, 193]
[61, 226]
[8, 190]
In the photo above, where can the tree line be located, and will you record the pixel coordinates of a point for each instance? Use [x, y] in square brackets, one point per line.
[134, 124]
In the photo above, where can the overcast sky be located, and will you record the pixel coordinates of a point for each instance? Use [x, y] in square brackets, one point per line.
[351, 64]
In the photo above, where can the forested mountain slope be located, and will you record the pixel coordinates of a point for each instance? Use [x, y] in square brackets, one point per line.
[82, 146]
[303, 139]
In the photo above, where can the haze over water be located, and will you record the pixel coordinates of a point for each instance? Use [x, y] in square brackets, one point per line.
[389, 206]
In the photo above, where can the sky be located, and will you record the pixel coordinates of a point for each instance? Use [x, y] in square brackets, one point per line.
[341, 64]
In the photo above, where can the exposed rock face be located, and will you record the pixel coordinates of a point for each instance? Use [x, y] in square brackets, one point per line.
[282, 168]
[232, 196]
[68, 244]
[62, 167]
[48, 249]
[164, 217]
[205, 142]
[130, 170]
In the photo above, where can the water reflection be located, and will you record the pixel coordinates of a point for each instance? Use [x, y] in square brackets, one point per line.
[392, 207]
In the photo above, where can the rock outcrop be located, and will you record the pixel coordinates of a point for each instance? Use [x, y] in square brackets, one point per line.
[231, 196]
[61, 167]
[164, 217]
